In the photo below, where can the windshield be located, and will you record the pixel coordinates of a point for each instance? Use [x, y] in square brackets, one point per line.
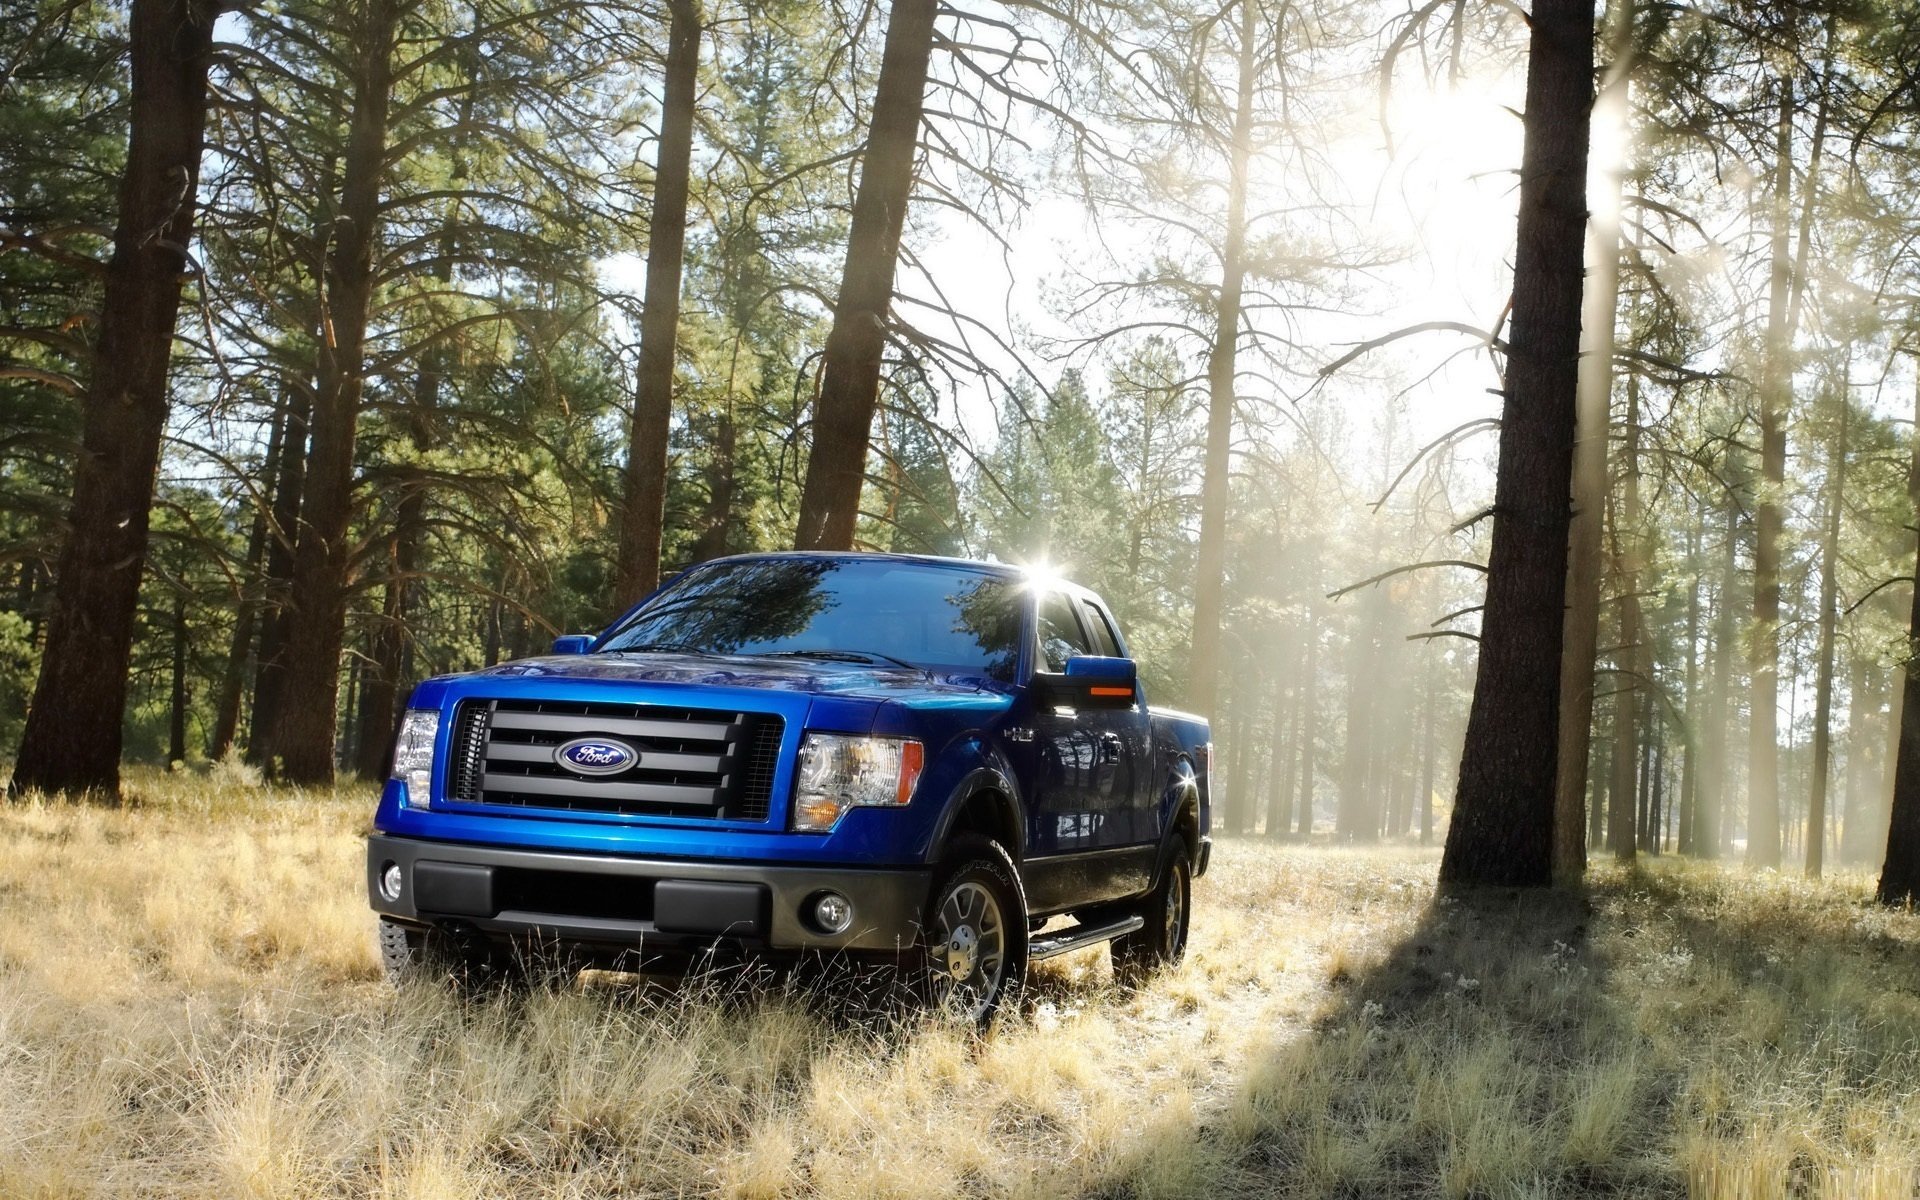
[943, 618]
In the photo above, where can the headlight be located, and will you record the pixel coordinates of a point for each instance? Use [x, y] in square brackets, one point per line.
[838, 772]
[413, 754]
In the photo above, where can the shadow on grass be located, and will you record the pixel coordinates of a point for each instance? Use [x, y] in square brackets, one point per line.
[1479, 1056]
[1672, 1031]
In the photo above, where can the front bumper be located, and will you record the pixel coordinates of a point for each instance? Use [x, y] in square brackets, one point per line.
[625, 902]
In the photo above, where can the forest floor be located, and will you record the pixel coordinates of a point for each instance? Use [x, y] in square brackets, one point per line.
[190, 1006]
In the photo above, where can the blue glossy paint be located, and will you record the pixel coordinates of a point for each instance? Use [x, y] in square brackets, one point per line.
[976, 730]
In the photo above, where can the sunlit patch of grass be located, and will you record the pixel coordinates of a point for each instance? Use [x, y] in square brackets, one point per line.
[190, 1006]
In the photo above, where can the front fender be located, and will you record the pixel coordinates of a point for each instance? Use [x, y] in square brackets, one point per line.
[988, 774]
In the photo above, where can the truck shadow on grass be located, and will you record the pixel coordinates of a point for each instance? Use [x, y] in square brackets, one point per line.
[1667, 1032]
[1475, 1057]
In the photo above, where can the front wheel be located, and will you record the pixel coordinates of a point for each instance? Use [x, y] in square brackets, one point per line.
[409, 954]
[1162, 941]
[975, 933]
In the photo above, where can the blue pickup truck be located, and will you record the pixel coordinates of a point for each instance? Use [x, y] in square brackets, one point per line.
[793, 754]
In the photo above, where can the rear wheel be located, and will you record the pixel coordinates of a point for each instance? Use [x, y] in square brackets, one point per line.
[975, 933]
[1162, 941]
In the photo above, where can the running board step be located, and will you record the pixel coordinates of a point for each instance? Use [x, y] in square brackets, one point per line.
[1079, 937]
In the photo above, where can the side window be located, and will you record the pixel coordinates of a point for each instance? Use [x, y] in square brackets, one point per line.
[1060, 635]
[1105, 643]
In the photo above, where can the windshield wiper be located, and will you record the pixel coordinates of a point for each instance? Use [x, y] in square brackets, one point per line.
[853, 656]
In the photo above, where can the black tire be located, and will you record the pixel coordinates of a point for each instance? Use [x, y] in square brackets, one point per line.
[410, 954]
[974, 934]
[1168, 909]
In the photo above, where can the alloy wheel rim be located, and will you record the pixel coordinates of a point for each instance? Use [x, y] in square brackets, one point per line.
[969, 950]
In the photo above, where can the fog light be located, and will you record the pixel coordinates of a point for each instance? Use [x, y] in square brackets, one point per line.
[390, 881]
[832, 912]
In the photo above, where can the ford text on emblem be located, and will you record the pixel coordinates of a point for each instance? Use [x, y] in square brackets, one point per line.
[596, 756]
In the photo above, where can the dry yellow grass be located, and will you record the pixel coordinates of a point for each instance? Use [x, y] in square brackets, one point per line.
[190, 1006]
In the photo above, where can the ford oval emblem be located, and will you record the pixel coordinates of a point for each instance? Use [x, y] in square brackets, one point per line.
[596, 756]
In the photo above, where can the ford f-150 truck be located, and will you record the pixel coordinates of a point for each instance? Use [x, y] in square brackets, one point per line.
[798, 753]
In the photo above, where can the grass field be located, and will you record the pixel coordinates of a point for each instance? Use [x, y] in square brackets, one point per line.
[190, 1006]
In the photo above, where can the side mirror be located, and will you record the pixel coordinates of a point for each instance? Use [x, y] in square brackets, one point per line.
[573, 643]
[1093, 682]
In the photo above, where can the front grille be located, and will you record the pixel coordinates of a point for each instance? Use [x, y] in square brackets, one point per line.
[708, 763]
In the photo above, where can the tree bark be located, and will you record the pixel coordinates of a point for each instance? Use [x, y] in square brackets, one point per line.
[1309, 717]
[1690, 732]
[73, 733]
[1502, 829]
[246, 615]
[1823, 667]
[1719, 720]
[643, 510]
[1763, 753]
[307, 712]
[1277, 776]
[1355, 819]
[1786, 295]
[389, 664]
[1632, 685]
[1900, 871]
[177, 692]
[850, 373]
[1210, 566]
[1592, 417]
[1428, 750]
[270, 662]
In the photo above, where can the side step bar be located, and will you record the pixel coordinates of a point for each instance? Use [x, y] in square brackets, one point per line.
[1080, 936]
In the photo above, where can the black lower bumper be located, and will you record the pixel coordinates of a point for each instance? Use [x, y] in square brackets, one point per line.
[616, 901]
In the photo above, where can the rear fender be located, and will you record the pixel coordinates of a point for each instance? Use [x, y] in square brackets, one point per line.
[1181, 804]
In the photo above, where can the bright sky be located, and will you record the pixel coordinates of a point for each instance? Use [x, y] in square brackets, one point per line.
[1447, 194]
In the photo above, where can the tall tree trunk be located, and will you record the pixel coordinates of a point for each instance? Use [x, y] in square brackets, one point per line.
[718, 512]
[1787, 292]
[390, 651]
[1690, 731]
[305, 720]
[1597, 812]
[72, 738]
[850, 373]
[1277, 774]
[1309, 716]
[1656, 779]
[246, 616]
[1502, 830]
[1763, 755]
[1823, 667]
[269, 672]
[1900, 871]
[1635, 686]
[1351, 820]
[1592, 417]
[1868, 742]
[177, 693]
[1624, 792]
[1210, 567]
[1428, 753]
[1719, 722]
[643, 510]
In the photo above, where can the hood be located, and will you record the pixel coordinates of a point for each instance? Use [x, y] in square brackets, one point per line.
[810, 675]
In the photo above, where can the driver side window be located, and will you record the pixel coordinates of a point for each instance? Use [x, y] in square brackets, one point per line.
[1060, 634]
